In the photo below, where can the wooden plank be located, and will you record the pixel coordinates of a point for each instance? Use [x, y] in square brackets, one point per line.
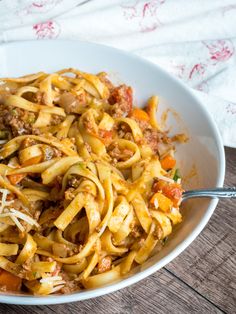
[159, 293]
[209, 264]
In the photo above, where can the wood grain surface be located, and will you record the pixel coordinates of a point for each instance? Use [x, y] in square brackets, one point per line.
[201, 280]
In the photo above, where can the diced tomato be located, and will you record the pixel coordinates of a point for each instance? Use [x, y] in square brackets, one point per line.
[163, 202]
[140, 115]
[105, 135]
[32, 161]
[10, 281]
[172, 190]
[122, 98]
[16, 178]
[168, 162]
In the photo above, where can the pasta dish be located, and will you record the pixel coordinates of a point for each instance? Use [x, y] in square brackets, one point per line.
[89, 186]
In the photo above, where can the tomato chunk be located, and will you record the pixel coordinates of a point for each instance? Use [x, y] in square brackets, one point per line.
[168, 162]
[10, 281]
[140, 114]
[171, 190]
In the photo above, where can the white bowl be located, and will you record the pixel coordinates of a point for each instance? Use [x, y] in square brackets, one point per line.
[201, 159]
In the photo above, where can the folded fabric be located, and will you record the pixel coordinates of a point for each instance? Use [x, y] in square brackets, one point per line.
[193, 39]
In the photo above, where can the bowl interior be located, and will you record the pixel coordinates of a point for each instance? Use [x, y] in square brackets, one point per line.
[201, 159]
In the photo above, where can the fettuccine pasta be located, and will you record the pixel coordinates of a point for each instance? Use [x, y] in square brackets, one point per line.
[88, 182]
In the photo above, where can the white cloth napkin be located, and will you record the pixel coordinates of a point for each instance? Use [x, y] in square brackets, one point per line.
[193, 39]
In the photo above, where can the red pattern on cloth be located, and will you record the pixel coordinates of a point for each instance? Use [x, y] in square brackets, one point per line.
[47, 30]
[145, 13]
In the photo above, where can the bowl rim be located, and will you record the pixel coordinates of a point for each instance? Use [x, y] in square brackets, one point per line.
[88, 294]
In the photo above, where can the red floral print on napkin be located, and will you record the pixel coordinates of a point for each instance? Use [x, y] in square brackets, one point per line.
[219, 50]
[47, 30]
[38, 6]
[145, 14]
[198, 69]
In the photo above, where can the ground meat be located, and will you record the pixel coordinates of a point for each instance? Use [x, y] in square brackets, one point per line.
[50, 152]
[27, 143]
[152, 136]
[89, 125]
[70, 284]
[73, 181]
[143, 124]
[136, 231]
[117, 154]
[17, 121]
[104, 264]
[69, 195]
[126, 135]
[72, 103]
[158, 233]
[121, 100]
[55, 119]
[124, 131]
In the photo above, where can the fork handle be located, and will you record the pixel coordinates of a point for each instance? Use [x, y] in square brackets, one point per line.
[213, 193]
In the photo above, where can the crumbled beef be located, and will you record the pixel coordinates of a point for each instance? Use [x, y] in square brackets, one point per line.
[27, 142]
[137, 231]
[89, 124]
[104, 264]
[50, 152]
[117, 154]
[152, 136]
[56, 119]
[158, 232]
[73, 181]
[70, 284]
[125, 135]
[143, 124]
[69, 195]
[121, 101]
[16, 120]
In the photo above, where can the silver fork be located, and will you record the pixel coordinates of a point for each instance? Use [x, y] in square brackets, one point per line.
[212, 193]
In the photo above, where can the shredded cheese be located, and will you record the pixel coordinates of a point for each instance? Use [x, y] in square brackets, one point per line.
[24, 217]
[59, 282]
[165, 179]
[14, 214]
[18, 224]
[156, 204]
[57, 288]
[53, 278]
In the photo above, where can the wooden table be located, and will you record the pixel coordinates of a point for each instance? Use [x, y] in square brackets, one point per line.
[201, 280]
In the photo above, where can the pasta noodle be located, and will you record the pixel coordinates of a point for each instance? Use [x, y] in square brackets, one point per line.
[88, 183]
